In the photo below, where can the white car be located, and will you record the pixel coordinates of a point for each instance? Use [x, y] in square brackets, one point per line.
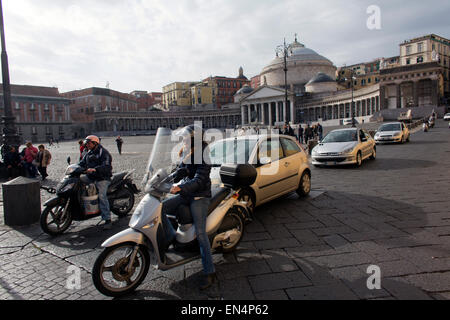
[280, 161]
[392, 132]
[344, 146]
[447, 117]
[348, 121]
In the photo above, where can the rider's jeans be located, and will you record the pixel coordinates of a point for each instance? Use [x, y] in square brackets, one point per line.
[199, 211]
[103, 203]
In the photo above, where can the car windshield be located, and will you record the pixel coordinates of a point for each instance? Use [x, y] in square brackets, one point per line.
[390, 127]
[231, 151]
[340, 136]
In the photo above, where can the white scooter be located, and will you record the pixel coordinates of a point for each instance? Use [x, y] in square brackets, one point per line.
[425, 127]
[125, 262]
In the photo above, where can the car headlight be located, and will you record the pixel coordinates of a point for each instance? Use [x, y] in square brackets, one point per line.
[349, 150]
[314, 152]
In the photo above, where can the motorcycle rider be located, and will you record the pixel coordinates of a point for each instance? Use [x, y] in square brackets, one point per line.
[98, 161]
[194, 191]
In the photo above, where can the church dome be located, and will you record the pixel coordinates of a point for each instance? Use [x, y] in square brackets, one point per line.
[320, 77]
[302, 63]
[321, 82]
[245, 89]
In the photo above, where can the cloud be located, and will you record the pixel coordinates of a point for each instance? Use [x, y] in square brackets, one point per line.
[144, 45]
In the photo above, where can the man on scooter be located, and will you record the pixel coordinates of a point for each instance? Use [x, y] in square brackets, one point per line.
[97, 162]
[194, 191]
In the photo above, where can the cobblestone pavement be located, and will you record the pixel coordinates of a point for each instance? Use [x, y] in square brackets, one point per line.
[393, 212]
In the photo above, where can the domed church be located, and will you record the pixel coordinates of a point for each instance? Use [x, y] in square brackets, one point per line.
[303, 64]
[312, 92]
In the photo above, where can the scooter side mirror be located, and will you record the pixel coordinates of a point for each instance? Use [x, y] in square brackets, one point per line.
[68, 160]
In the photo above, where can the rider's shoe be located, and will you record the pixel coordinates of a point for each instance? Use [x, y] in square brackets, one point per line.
[208, 281]
[107, 225]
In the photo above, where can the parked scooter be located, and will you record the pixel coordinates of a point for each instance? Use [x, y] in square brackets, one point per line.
[72, 202]
[125, 262]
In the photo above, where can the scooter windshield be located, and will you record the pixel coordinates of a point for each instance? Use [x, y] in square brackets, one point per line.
[165, 152]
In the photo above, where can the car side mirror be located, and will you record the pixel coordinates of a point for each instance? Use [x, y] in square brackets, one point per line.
[68, 160]
[264, 160]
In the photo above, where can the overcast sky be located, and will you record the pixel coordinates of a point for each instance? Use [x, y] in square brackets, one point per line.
[146, 44]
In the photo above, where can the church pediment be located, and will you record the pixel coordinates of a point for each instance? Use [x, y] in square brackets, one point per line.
[264, 92]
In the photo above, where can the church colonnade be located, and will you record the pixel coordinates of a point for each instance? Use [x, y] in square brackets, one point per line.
[267, 113]
[340, 110]
[123, 123]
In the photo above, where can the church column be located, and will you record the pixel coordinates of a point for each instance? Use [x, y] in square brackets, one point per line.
[249, 112]
[263, 114]
[277, 112]
[399, 96]
[270, 113]
[242, 114]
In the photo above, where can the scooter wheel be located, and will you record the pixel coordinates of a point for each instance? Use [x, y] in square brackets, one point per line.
[122, 206]
[110, 274]
[233, 221]
[54, 221]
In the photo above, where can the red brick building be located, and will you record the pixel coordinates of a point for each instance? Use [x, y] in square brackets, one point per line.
[145, 101]
[41, 112]
[226, 87]
[255, 81]
[87, 101]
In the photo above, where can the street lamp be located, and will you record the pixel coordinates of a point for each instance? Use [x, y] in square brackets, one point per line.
[352, 107]
[284, 50]
[10, 137]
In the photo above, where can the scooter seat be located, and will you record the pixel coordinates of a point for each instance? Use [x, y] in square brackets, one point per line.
[118, 177]
[218, 194]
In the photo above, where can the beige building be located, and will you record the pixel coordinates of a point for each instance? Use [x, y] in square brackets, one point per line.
[177, 94]
[427, 49]
[203, 93]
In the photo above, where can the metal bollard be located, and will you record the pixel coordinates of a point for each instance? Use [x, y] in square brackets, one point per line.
[21, 201]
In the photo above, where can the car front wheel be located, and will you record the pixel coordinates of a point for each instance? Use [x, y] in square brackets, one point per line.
[358, 159]
[305, 184]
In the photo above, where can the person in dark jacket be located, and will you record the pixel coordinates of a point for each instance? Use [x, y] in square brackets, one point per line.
[119, 142]
[194, 191]
[98, 164]
[13, 163]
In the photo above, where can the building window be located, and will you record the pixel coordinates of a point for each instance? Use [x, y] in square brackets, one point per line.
[408, 49]
[420, 47]
[17, 106]
[419, 59]
[408, 61]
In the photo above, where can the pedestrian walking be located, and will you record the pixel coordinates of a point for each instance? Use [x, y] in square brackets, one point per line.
[320, 131]
[119, 143]
[29, 158]
[300, 133]
[43, 158]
